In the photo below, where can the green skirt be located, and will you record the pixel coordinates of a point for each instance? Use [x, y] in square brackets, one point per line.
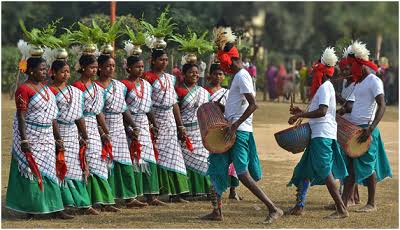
[322, 157]
[122, 181]
[75, 194]
[147, 180]
[99, 190]
[374, 160]
[24, 195]
[172, 183]
[198, 184]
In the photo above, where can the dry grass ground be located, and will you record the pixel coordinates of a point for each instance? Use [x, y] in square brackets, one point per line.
[277, 168]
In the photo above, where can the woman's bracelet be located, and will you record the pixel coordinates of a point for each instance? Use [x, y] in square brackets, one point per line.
[23, 142]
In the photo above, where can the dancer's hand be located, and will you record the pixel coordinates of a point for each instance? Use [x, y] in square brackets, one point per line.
[182, 133]
[86, 173]
[154, 130]
[366, 132]
[293, 119]
[295, 110]
[231, 131]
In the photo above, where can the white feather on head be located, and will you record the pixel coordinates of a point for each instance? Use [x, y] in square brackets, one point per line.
[183, 61]
[128, 47]
[24, 48]
[49, 55]
[360, 50]
[329, 57]
[346, 51]
[223, 35]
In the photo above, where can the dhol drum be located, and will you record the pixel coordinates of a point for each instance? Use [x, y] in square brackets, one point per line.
[294, 139]
[213, 128]
[347, 134]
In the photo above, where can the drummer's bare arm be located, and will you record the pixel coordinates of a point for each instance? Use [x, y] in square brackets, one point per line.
[347, 108]
[320, 112]
[249, 110]
[380, 101]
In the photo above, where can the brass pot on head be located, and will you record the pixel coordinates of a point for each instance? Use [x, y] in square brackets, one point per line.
[61, 54]
[36, 51]
[159, 43]
[89, 49]
[191, 58]
[136, 51]
[107, 49]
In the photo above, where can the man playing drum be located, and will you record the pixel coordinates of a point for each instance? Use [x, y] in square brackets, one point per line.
[239, 108]
[322, 160]
[369, 105]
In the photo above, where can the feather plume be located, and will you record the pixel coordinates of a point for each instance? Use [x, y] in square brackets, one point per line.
[24, 48]
[360, 50]
[49, 55]
[223, 35]
[346, 51]
[329, 57]
[128, 47]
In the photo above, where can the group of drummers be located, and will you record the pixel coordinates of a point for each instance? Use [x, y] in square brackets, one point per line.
[100, 139]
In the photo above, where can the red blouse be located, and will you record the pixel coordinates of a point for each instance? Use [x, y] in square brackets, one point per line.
[22, 97]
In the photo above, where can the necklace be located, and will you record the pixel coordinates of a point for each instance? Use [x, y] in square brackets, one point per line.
[47, 97]
[94, 89]
[69, 100]
[166, 86]
[139, 94]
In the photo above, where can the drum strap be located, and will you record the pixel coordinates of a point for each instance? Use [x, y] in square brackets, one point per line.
[219, 99]
[302, 190]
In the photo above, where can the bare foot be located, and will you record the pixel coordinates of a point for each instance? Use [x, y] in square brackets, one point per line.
[296, 211]
[91, 211]
[63, 215]
[157, 202]
[178, 200]
[337, 215]
[272, 216]
[215, 215]
[111, 208]
[235, 196]
[135, 204]
[367, 208]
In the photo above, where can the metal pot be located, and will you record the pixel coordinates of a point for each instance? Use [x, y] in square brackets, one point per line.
[159, 43]
[191, 58]
[36, 51]
[61, 54]
[136, 51]
[107, 49]
[89, 49]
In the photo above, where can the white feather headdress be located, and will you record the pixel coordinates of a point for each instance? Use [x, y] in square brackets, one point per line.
[360, 50]
[223, 35]
[346, 51]
[128, 47]
[49, 55]
[24, 48]
[329, 57]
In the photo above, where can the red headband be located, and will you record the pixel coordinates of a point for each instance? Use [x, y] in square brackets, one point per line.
[225, 59]
[319, 70]
[356, 68]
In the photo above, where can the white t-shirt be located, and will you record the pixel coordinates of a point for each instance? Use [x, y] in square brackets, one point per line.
[364, 107]
[324, 126]
[348, 94]
[236, 103]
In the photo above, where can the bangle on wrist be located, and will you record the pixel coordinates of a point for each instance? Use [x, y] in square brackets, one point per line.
[23, 141]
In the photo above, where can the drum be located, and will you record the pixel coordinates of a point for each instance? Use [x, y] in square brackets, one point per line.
[294, 139]
[212, 127]
[347, 134]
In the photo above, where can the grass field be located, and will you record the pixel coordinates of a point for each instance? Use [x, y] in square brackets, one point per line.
[277, 169]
